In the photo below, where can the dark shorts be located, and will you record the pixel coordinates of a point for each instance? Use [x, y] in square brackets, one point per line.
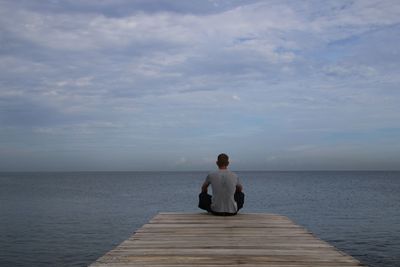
[222, 213]
[205, 203]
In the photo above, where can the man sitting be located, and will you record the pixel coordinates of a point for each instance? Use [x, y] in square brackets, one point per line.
[227, 196]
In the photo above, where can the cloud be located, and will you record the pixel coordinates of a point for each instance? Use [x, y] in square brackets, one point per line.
[344, 70]
[181, 161]
[236, 97]
[80, 82]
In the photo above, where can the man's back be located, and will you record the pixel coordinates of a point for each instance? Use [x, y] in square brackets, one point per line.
[223, 183]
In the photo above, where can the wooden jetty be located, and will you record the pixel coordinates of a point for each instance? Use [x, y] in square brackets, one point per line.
[251, 239]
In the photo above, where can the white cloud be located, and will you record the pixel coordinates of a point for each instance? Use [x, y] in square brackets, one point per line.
[181, 161]
[80, 82]
[236, 97]
[272, 158]
[348, 69]
[16, 65]
[79, 128]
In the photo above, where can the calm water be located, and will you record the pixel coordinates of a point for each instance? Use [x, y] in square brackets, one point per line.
[70, 219]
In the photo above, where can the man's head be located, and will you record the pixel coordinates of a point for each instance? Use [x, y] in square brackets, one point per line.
[223, 160]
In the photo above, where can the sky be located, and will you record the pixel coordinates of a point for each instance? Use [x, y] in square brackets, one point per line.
[120, 85]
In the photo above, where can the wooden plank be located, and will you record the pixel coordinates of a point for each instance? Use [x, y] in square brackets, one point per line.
[183, 239]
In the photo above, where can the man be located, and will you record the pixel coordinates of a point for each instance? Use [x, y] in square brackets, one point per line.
[227, 196]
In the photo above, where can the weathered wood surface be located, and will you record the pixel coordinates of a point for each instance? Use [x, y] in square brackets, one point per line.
[184, 239]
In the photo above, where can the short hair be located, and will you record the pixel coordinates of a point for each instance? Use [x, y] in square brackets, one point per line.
[223, 160]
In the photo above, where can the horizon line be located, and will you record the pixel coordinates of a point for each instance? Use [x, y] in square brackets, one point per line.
[311, 170]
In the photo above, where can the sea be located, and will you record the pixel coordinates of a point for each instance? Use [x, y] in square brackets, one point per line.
[73, 218]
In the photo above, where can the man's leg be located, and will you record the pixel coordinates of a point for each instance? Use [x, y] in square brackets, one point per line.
[239, 198]
[205, 202]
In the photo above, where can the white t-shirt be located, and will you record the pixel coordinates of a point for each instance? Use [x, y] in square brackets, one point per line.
[223, 185]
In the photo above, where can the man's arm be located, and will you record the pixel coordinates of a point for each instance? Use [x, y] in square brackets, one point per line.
[239, 188]
[204, 187]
